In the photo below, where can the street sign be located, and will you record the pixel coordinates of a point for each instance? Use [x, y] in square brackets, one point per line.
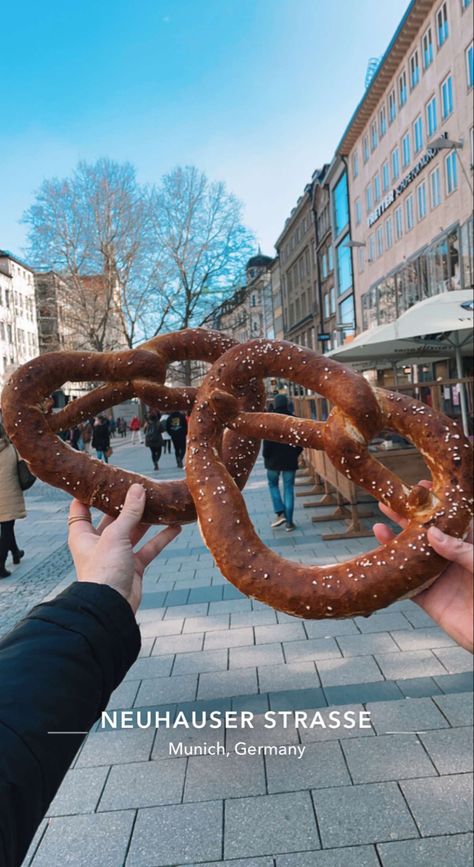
[324, 336]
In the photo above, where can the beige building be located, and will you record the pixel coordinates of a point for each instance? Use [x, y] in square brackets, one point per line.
[408, 151]
[18, 325]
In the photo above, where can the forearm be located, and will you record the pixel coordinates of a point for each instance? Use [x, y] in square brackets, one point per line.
[58, 668]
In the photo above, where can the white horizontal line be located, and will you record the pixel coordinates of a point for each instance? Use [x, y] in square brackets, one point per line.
[68, 733]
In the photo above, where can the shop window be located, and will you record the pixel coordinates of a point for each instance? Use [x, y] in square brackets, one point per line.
[346, 315]
[386, 301]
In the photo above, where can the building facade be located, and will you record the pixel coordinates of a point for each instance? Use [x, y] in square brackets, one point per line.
[408, 152]
[324, 260]
[18, 322]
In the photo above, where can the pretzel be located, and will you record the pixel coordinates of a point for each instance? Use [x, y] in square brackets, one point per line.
[371, 581]
[32, 426]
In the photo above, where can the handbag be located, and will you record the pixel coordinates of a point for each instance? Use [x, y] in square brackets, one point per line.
[25, 476]
[109, 452]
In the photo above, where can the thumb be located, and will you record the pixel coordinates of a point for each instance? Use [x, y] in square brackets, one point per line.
[451, 548]
[132, 510]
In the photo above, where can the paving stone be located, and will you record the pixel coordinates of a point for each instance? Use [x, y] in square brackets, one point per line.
[145, 649]
[385, 622]
[247, 862]
[410, 663]
[144, 784]
[253, 703]
[206, 660]
[457, 708]
[210, 778]
[154, 628]
[338, 672]
[79, 791]
[180, 834]
[35, 843]
[199, 609]
[228, 638]
[230, 606]
[455, 659]
[321, 766]
[164, 690]
[418, 687]
[370, 813]
[422, 639]
[178, 644]
[385, 690]
[207, 624]
[440, 805]
[329, 628]
[231, 592]
[228, 683]
[269, 824]
[116, 747]
[451, 750]
[79, 840]
[451, 851]
[261, 735]
[417, 617]
[449, 683]
[408, 715]
[370, 643]
[252, 618]
[296, 675]
[280, 632]
[387, 757]
[153, 614]
[297, 699]
[250, 656]
[151, 666]
[352, 856]
[205, 594]
[334, 726]
[153, 600]
[124, 695]
[189, 737]
[312, 648]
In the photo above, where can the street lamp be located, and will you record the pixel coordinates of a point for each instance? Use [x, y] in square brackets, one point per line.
[355, 244]
[441, 143]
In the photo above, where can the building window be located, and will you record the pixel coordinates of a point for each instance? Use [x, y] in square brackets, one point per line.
[470, 65]
[371, 248]
[344, 267]
[392, 107]
[361, 259]
[326, 306]
[447, 97]
[409, 214]
[382, 121]
[395, 164]
[324, 266]
[427, 49]
[332, 300]
[418, 134]
[330, 259]
[379, 240]
[385, 177]
[365, 148]
[435, 188]
[377, 188]
[431, 117]
[346, 315]
[402, 90]
[421, 200]
[341, 205]
[368, 199]
[406, 150]
[398, 222]
[451, 172]
[442, 28]
[358, 212]
[465, 4]
[374, 139]
[414, 70]
[388, 233]
[355, 164]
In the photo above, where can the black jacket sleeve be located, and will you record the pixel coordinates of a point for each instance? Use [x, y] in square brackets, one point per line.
[58, 668]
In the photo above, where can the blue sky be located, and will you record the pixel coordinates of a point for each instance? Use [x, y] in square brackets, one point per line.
[255, 92]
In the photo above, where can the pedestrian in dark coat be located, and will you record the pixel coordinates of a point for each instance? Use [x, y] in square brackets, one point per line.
[153, 438]
[281, 459]
[177, 427]
[12, 503]
[101, 438]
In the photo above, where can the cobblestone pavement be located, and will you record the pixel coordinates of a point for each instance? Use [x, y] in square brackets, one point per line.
[395, 793]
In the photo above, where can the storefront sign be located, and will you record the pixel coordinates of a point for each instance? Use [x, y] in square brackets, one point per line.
[397, 191]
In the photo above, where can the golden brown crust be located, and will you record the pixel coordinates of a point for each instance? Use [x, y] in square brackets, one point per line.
[368, 582]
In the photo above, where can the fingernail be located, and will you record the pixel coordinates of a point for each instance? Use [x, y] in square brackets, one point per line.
[436, 534]
[137, 491]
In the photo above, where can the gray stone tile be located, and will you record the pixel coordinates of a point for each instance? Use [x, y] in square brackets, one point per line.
[189, 737]
[384, 690]
[385, 622]
[165, 690]
[280, 632]
[151, 666]
[230, 606]
[312, 648]
[351, 856]
[35, 843]
[457, 708]
[296, 675]
[339, 672]
[418, 687]
[387, 757]
[251, 656]
[329, 628]
[206, 624]
[206, 594]
[178, 644]
[124, 695]
[79, 791]
[450, 750]
[206, 660]
[270, 824]
[297, 699]
[371, 813]
[153, 600]
[261, 735]
[440, 805]
[263, 617]
[210, 778]
[372, 642]
[408, 715]
[417, 617]
[181, 834]
[79, 840]
[116, 747]
[331, 724]
[154, 628]
[321, 766]
[144, 784]
[199, 609]
[451, 851]
[145, 649]
[228, 638]
[247, 862]
[228, 683]
[422, 639]
[410, 663]
[254, 703]
[455, 659]
[450, 683]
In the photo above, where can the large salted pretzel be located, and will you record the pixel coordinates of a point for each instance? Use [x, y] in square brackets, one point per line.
[140, 372]
[359, 586]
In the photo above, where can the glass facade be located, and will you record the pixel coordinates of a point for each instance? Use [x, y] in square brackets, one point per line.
[341, 205]
[344, 267]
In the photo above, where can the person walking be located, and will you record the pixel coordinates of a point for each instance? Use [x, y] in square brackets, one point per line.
[281, 459]
[12, 502]
[165, 436]
[177, 427]
[86, 436]
[136, 428]
[153, 438]
[101, 438]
